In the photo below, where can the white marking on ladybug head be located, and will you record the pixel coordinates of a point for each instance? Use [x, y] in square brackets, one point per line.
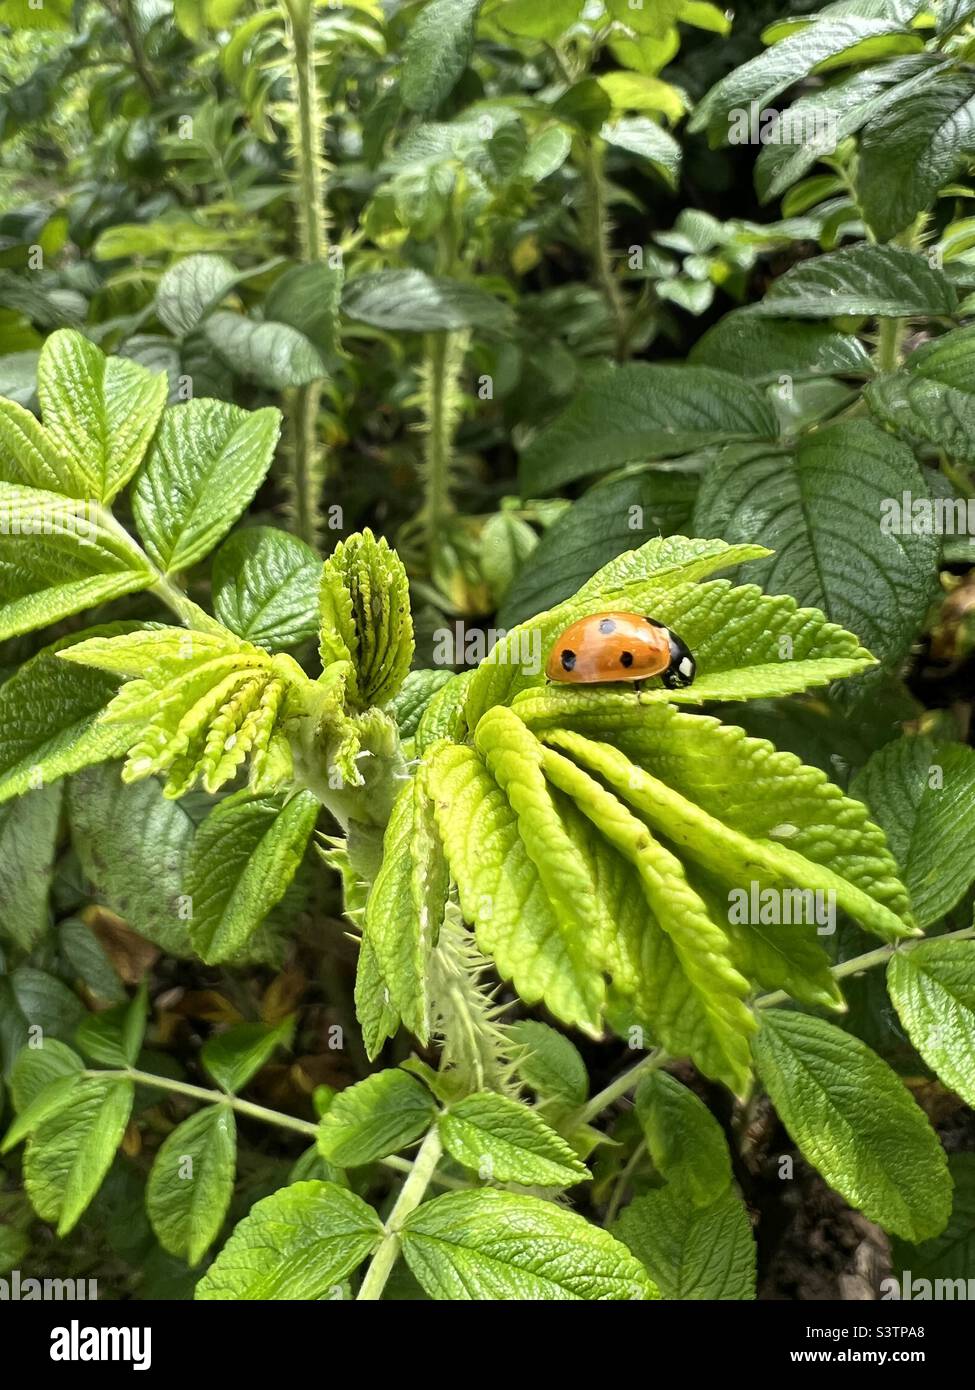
[686, 666]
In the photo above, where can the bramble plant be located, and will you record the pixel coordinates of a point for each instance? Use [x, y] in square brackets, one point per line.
[227, 747]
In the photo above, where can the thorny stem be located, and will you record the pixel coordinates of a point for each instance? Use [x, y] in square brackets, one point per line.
[313, 237]
[599, 235]
[438, 446]
[410, 1197]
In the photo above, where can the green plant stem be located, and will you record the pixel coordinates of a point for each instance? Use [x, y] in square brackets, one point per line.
[437, 476]
[171, 595]
[599, 238]
[130, 26]
[246, 1107]
[410, 1197]
[307, 465]
[312, 219]
[623, 1182]
[191, 613]
[857, 964]
[303, 405]
[889, 343]
[623, 1084]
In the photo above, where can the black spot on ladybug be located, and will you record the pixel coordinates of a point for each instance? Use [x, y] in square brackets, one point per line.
[607, 626]
[626, 659]
[568, 660]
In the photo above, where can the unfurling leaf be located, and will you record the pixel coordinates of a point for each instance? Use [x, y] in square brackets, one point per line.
[365, 615]
[203, 703]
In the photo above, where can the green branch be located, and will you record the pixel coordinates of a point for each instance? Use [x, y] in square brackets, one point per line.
[266, 1116]
[857, 964]
[308, 134]
[602, 256]
[410, 1197]
[626, 1081]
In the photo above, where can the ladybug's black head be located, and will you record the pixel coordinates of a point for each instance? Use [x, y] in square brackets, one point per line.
[682, 668]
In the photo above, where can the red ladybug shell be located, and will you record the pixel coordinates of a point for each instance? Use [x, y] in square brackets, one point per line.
[610, 647]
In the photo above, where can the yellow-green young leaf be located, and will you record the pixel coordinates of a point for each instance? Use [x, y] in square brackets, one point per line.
[49, 721]
[404, 912]
[747, 644]
[684, 1139]
[99, 412]
[376, 1117]
[376, 1015]
[365, 616]
[28, 831]
[489, 1245]
[502, 1140]
[770, 798]
[192, 1182]
[692, 1252]
[721, 850]
[233, 1057]
[933, 990]
[299, 1243]
[923, 794]
[502, 893]
[207, 462]
[515, 760]
[702, 945]
[58, 557]
[536, 19]
[204, 703]
[244, 856]
[69, 1154]
[855, 1121]
[633, 91]
[28, 455]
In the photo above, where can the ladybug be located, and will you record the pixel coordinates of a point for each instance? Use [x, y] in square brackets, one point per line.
[620, 647]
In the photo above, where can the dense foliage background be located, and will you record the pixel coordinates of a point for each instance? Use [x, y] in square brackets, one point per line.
[531, 284]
